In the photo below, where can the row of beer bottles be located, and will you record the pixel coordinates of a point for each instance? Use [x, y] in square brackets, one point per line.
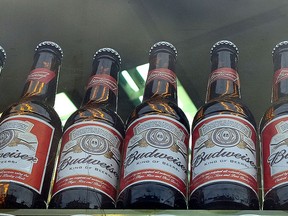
[149, 155]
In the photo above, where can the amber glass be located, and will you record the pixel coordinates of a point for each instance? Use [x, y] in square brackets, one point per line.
[99, 105]
[223, 97]
[36, 101]
[223, 87]
[160, 98]
[277, 197]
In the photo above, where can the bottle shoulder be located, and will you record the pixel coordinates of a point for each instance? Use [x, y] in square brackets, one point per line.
[275, 110]
[97, 114]
[224, 106]
[36, 109]
[159, 107]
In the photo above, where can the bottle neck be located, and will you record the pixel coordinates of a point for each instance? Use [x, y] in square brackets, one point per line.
[224, 79]
[280, 78]
[161, 80]
[41, 83]
[102, 87]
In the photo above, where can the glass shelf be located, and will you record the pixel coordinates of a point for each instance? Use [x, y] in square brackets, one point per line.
[119, 212]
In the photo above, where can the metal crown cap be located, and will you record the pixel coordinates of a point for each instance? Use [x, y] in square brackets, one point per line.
[50, 44]
[279, 45]
[2, 55]
[111, 52]
[225, 43]
[164, 44]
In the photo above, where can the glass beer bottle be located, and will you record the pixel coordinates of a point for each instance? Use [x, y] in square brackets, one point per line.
[224, 151]
[155, 149]
[273, 134]
[30, 131]
[87, 173]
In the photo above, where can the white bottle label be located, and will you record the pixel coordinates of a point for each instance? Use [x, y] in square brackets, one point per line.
[25, 143]
[274, 138]
[224, 150]
[90, 157]
[155, 149]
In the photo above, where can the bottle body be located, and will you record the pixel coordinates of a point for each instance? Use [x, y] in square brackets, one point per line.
[25, 154]
[224, 141]
[88, 168]
[224, 170]
[274, 150]
[154, 169]
[30, 131]
[155, 148]
[273, 135]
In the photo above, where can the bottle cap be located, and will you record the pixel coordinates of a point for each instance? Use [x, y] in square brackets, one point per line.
[163, 46]
[224, 45]
[108, 52]
[2, 55]
[50, 46]
[280, 47]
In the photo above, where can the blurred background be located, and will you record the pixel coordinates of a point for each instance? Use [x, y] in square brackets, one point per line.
[131, 28]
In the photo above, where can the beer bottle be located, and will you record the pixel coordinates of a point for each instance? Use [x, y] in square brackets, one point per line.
[224, 151]
[274, 135]
[154, 170]
[88, 170]
[30, 131]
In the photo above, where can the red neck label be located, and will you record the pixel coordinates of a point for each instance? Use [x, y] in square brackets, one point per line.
[103, 80]
[41, 74]
[25, 145]
[162, 74]
[280, 75]
[226, 74]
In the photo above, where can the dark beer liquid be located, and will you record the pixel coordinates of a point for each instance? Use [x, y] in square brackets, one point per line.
[223, 99]
[99, 106]
[36, 101]
[160, 99]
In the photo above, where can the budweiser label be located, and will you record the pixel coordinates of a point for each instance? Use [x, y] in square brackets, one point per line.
[25, 143]
[90, 157]
[41, 74]
[223, 149]
[103, 80]
[280, 75]
[226, 74]
[155, 149]
[274, 138]
[162, 74]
